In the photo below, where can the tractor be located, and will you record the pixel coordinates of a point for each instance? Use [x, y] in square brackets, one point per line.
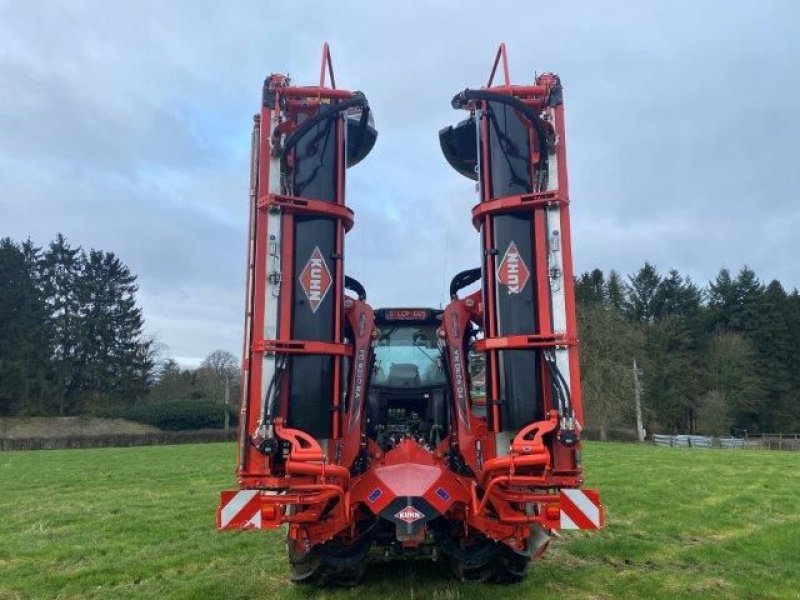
[448, 434]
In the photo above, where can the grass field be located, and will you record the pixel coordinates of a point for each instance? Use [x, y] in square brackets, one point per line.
[139, 523]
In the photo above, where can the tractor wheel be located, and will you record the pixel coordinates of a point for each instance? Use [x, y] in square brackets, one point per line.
[333, 563]
[463, 573]
[511, 566]
[486, 561]
[303, 567]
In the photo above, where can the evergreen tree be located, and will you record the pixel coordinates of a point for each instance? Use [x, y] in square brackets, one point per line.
[112, 357]
[590, 288]
[60, 271]
[773, 342]
[672, 383]
[762, 315]
[676, 296]
[793, 324]
[734, 303]
[615, 291]
[641, 294]
[732, 383]
[24, 332]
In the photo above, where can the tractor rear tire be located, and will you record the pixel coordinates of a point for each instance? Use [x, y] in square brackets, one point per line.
[511, 566]
[330, 564]
[487, 562]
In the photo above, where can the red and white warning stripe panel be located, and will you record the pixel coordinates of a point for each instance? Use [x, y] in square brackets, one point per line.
[239, 509]
[581, 509]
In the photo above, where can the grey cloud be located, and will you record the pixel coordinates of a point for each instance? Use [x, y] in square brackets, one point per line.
[125, 125]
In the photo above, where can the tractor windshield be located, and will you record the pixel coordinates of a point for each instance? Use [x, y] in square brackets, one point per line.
[408, 356]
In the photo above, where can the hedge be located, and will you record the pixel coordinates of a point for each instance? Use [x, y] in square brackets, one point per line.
[120, 440]
[181, 415]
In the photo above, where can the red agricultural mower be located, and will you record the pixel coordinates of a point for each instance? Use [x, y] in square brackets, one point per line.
[366, 431]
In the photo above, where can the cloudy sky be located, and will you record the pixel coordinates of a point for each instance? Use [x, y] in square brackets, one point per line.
[125, 125]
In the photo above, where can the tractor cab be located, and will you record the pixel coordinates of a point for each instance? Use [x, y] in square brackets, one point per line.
[408, 387]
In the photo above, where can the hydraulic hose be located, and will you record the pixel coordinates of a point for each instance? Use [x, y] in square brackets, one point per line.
[355, 286]
[560, 385]
[358, 99]
[462, 280]
[566, 436]
[461, 100]
[268, 407]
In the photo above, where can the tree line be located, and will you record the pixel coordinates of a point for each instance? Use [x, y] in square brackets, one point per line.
[72, 341]
[711, 359]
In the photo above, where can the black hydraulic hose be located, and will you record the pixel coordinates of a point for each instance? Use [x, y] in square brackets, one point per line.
[557, 391]
[355, 286]
[462, 280]
[358, 99]
[273, 389]
[326, 133]
[564, 387]
[565, 398]
[567, 436]
[461, 99]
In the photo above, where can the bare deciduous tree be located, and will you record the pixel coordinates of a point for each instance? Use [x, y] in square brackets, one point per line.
[219, 372]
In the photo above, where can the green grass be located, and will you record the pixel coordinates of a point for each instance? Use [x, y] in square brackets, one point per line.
[139, 523]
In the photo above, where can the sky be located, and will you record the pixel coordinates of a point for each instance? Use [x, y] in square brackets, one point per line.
[125, 126]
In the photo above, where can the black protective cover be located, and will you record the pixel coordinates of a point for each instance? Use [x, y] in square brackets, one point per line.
[520, 381]
[360, 139]
[311, 376]
[460, 148]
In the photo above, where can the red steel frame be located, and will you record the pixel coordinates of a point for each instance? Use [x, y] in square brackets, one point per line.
[496, 501]
[256, 469]
[309, 478]
[531, 464]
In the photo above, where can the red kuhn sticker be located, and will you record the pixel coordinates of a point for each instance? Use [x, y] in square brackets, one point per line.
[315, 279]
[512, 271]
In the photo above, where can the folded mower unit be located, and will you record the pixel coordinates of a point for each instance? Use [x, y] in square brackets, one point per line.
[410, 432]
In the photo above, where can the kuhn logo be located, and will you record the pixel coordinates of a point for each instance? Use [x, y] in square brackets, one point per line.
[409, 514]
[315, 279]
[512, 270]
